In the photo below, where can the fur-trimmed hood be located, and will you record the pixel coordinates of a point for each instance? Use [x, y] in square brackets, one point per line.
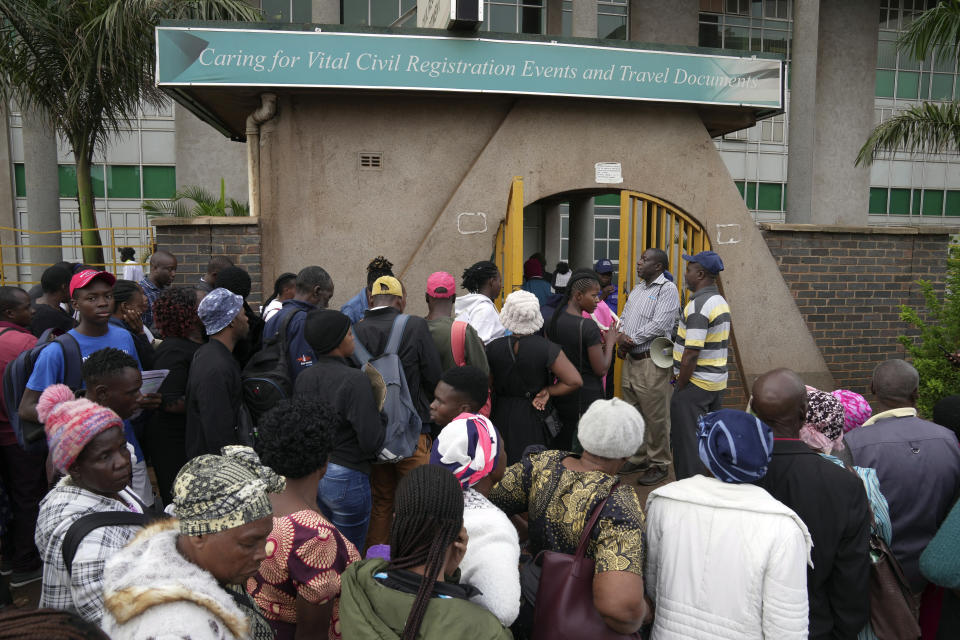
[151, 589]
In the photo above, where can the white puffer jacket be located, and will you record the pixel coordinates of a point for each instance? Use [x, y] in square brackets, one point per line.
[725, 561]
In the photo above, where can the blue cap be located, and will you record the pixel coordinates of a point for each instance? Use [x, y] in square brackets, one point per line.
[603, 266]
[709, 260]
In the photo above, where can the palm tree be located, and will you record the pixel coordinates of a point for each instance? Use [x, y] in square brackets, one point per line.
[87, 65]
[928, 128]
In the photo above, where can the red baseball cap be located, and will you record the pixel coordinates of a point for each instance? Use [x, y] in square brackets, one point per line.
[441, 284]
[82, 279]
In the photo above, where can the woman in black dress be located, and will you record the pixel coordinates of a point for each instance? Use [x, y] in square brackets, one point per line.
[523, 369]
[175, 316]
[590, 353]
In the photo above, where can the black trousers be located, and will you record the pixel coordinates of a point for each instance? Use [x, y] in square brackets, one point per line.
[686, 406]
[25, 480]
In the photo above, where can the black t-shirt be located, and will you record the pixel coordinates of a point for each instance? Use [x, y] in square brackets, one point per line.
[47, 317]
[566, 332]
[175, 355]
[214, 394]
[534, 357]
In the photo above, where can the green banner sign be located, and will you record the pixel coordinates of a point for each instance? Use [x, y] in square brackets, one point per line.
[248, 57]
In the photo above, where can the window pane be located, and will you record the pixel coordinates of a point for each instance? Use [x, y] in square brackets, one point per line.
[887, 55]
[599, 249]
[942, 87]
[953, 203]
[599, 228]
[159, 182]
[613, 250]
[932, 202]
[751, 195]
[915, 209]
[944, 62]
[355, 12]
[878, 200]
[885, 83]
[302, 11]
[276, 10]
[612, 27]
[20, 180]
[908, 84]
[96, 177]
[383, 12]
[531, 20]
[768, 196]
[615, 228]
[503, 18]
[67, 177]
[736, 38]
[900, 202]
[709, 34]
[123, 181]
[924, 86]
[739, 184]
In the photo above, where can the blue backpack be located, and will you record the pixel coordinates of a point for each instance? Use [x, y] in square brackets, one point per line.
[30, 435]
[403, 421]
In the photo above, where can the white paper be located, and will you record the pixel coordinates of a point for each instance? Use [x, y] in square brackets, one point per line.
[609, 172]
[152, 380]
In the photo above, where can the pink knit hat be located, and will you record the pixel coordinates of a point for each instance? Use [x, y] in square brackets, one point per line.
[71, 423]
[856, 409]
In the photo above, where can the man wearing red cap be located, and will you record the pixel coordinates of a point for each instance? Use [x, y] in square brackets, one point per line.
[457, 342]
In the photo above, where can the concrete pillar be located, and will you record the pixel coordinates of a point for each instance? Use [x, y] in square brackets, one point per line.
[831, 111]
[554, 18]
[672, 22]
[326, 11]
[584, 18]
[43, 190]
[581, 233]
[551, 232]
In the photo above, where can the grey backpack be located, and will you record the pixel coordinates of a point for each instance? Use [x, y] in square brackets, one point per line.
[403, 421]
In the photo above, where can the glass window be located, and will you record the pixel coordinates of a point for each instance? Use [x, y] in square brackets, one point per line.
[502, 18]
[908, 85]
[932, 202]
[768, 196]
[739, 184]
[67, 177]
[355, 12]
[287, 10]
[751, 195]
[885, 83]
[612, 27]
[20, 180]
[383, 12]
[900, 202]
[941, 88]
[159, 182]
[915, 209]
[710, 32]
[953, 203]
[878, 200]
[887, 55]
[123, 181]
[599, 227]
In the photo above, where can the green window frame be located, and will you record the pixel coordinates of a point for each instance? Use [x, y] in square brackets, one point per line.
[878, 200]
[20, 180]
[952, 206]
[123, 181]
[67, 179]
[932, 202]
[159, 182]
[769, 196]
[899, 202]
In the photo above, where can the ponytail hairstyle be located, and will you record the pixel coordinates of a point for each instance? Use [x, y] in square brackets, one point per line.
[378, 268]
[476, 276]
[428, 516]
[285, 280]
[580, 280]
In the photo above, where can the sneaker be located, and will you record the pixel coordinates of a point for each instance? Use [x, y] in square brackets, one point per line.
[634, 467]
[652, 476]
[23, 578]
[6, 567]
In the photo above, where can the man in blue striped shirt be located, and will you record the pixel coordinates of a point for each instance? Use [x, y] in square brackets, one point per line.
[699, 359]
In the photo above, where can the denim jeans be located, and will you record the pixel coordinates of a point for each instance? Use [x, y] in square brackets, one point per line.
[344, 499]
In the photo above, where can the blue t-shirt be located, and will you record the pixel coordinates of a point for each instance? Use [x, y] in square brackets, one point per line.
[48, 368]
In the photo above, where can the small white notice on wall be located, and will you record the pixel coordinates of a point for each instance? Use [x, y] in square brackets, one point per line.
[609, 173]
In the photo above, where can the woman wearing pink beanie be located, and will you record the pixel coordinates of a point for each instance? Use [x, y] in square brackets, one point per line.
[87, 444]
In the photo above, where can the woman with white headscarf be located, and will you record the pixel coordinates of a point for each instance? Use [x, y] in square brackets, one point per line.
[526, 370]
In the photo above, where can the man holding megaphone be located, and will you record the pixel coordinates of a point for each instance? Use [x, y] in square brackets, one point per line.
[648, 319]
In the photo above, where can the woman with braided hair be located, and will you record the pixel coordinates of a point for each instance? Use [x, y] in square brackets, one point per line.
[483, 281]
[589, 351]
[427, 537]
[129, 305]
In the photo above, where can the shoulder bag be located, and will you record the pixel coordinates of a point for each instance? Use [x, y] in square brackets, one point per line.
[549, 415]
[564, 607]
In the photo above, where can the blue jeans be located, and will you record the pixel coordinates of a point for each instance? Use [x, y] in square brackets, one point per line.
[344, 499]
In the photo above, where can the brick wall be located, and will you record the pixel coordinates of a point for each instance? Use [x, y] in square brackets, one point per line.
[195, 240]
[849, 283]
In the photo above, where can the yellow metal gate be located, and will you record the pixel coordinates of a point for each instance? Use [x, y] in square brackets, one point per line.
[508, 244]
[647, 222]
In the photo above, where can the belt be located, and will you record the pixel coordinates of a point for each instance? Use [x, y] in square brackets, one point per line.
[639, 356]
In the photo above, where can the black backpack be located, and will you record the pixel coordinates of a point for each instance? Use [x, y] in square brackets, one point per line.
[266, 378]
[85, 524]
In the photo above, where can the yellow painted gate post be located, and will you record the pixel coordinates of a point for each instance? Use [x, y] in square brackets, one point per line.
[508, 244]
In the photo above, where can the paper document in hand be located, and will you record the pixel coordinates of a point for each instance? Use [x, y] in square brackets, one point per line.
[152, 380]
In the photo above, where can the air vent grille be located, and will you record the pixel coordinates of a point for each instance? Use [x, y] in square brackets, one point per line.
[371, 161]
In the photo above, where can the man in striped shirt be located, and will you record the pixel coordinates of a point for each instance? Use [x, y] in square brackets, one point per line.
[650, 312]
[699, 359]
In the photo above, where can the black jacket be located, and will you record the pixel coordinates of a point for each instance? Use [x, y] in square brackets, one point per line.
[832, 502]
[421, 361]
[214, 395]
[348, 390]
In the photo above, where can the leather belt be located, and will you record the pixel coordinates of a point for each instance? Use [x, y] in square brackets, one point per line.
[639, 356]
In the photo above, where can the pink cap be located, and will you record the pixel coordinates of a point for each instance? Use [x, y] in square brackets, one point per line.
[441, 284]
[82, 279]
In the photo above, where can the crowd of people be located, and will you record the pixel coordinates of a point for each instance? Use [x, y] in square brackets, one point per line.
[470, 472]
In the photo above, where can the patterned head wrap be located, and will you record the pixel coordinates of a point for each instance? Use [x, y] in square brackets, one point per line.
[71, 423]
[856, 409]
[734, 445]
[823, 424]
[216, 493]
[469, 446]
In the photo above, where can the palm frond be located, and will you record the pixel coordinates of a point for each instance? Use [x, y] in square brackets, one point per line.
[927, 128]
[167, 208]
[936, 30]
[238, 208]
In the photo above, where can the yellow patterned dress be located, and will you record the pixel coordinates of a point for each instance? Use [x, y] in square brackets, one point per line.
[559, 501]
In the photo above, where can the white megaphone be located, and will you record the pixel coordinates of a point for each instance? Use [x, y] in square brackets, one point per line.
[661, 352]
